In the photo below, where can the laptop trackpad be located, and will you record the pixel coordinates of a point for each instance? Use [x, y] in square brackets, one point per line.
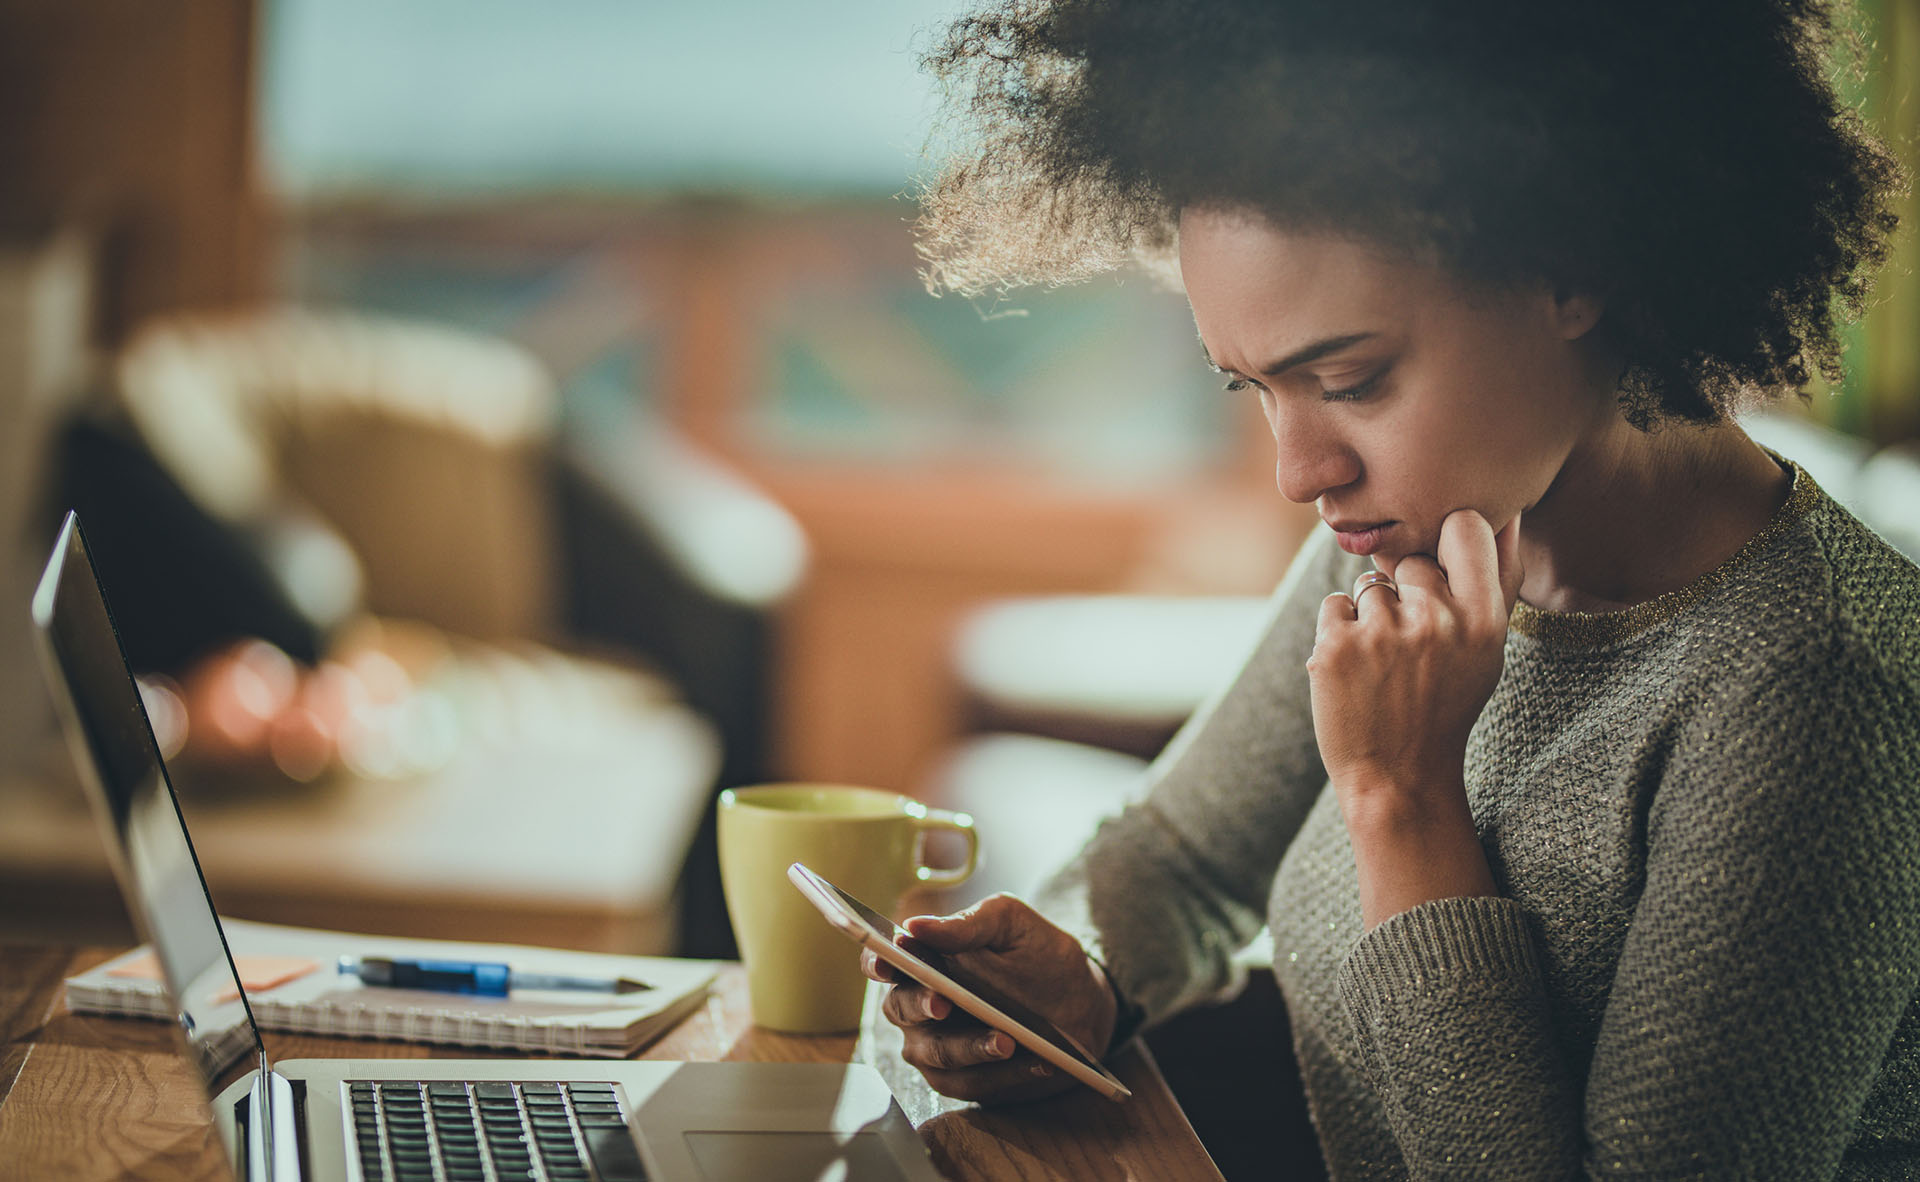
[794, 1157]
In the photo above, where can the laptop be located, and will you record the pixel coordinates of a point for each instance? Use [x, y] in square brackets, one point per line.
[451, 1120]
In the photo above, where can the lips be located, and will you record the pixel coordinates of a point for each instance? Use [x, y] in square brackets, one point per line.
[1360, 537]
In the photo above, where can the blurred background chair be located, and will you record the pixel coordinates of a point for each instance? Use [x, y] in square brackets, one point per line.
[281, 474]
[1067, 698]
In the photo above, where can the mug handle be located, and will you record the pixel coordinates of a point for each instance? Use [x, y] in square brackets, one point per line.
[961, 823]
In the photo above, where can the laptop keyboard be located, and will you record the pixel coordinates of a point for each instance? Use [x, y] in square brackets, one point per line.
[448, 1131]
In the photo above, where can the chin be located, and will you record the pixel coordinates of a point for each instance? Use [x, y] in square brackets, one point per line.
[1388, 557]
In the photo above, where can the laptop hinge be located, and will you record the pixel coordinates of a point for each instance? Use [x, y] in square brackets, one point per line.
[272, 1150]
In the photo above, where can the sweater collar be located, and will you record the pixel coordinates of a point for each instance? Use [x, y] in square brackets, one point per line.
[1594, 628]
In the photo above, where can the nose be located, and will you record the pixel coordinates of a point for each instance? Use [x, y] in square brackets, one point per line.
[1310, 459]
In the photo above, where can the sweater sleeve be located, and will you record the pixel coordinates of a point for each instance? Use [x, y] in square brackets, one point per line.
[1772, 954]
[1166, 892]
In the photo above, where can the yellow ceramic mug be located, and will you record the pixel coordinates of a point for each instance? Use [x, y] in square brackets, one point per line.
[803, 976]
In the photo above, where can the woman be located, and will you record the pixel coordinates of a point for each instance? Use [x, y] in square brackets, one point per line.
[1588, 824]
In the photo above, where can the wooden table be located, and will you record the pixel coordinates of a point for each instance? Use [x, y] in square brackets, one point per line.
[85, 1097]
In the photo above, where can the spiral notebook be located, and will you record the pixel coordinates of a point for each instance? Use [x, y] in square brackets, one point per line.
[293, 985]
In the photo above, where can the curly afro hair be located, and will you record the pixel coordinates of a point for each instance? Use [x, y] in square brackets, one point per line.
[1690, 161]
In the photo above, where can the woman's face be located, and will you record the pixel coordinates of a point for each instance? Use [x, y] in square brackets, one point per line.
[1395, 394]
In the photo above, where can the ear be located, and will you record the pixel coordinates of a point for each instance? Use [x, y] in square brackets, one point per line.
[1575, 313]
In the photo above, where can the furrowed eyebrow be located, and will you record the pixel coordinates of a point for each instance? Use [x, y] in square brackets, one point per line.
[1298, 357]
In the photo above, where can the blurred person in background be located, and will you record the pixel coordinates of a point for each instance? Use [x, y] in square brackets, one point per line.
[1576, 775]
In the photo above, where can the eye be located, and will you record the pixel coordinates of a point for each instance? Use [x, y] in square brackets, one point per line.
[1354, 392]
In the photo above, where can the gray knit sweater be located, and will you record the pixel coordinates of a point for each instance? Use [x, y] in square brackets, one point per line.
[1703, 815]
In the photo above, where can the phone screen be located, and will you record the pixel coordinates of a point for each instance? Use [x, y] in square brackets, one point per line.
[888, 930]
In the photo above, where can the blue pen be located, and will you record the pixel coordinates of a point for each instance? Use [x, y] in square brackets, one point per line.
[481, 978]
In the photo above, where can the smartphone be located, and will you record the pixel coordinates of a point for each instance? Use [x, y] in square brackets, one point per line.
[874, 930]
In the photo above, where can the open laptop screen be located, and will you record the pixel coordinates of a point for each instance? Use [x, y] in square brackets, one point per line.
[114, 748]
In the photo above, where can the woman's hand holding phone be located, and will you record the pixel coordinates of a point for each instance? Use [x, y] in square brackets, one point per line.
[1026, 956]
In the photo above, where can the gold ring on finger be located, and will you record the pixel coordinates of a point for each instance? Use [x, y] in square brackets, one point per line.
[1371, 579]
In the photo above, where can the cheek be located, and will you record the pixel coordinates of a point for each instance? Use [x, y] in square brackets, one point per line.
[1492, 446]
[1440, 472]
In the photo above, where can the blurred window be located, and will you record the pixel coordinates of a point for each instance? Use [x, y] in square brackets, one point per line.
[492, 95]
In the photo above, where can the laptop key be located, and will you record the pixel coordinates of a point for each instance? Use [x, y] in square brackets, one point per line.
[615, 1155]
[597, 1109]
